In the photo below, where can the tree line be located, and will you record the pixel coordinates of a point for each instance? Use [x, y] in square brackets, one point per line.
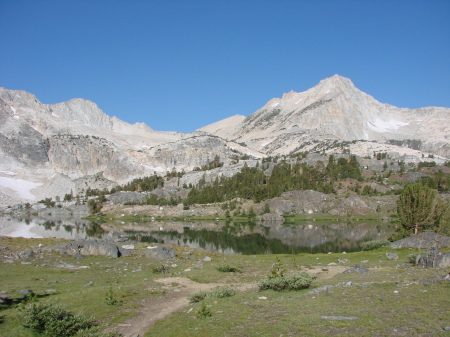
[256, 184]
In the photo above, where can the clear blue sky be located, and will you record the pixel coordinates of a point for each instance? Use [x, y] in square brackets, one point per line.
[178, 65]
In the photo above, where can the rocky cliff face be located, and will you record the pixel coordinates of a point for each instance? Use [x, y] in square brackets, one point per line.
[52, 149]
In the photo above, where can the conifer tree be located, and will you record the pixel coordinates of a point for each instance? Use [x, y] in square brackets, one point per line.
[416, 207]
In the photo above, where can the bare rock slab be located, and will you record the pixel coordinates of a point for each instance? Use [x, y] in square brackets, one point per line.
[161, 252]
[422, 240]
[88, 247]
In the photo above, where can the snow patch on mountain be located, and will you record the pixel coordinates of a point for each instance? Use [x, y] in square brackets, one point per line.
[383, 126]
[21, 187]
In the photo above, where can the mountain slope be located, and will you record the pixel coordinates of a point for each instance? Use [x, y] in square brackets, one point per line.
[53, 149]
[49, 150]
[335, 110]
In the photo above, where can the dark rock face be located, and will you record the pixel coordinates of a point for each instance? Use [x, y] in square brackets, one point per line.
[123, 251]
[422, 240]
[161, 252]
[88, 247]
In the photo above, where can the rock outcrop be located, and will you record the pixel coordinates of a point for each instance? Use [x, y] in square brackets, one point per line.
[161, 252]
[313, 202]
[88, 247]
[433, 259]
[422, 240]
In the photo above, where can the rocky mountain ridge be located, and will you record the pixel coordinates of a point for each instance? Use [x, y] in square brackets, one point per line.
[48, 150]
[335, 110]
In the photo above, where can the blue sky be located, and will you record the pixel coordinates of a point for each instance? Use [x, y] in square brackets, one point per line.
[178, 65]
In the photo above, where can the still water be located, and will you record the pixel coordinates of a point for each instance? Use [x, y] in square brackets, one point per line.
[228, 238]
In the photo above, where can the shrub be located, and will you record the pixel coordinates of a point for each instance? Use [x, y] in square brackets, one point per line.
[162, 269]
[412, 258]
[223, 292]
[198, 296]
[52, 320]
[220, 292]
[373, 244]
[290, 282]
[227, 268]
[204, 311]
[110, 299]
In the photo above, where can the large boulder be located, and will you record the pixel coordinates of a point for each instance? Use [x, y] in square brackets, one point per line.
[422, 240]
[434, 259]
[88, 247]
[161, 252]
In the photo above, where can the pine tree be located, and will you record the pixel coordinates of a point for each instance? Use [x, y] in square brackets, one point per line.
[416, 207]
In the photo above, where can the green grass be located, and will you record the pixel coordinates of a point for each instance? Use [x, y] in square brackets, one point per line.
[378, 310]
[416, 310]
[292, 219]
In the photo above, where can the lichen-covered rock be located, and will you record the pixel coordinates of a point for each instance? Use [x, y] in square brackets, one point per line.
[434, 259]
[391, 256]
[87, 247]
[422, 240]
[161, 252]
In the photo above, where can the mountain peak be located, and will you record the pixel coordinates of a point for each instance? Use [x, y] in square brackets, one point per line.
[336, 81]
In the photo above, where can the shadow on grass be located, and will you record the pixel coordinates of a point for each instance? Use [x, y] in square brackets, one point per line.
[7, 302]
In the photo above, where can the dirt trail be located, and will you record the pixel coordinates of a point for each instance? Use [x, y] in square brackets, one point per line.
[179, 289]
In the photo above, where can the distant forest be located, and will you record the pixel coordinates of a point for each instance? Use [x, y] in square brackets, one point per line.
[273, 177]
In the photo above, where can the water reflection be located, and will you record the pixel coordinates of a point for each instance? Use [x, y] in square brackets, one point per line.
[229, 238]
[41, 228]
[251, 238]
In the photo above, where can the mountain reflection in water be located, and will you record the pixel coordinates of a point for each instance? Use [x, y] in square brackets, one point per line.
[228, 238]
[250, 238]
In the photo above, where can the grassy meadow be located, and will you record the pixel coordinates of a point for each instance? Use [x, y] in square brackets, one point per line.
[387, 300]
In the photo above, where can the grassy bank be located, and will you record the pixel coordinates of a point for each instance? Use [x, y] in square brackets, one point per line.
[386, 301]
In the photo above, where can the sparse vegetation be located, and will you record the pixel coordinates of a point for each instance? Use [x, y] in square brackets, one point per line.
[204, 311]
[247, 312]
[198, 296]
[220, 292]
[287, 282]
[110, 298]
[374, 244]
[161, 269]
[279, 281]
[227, 268]
[54, 321]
